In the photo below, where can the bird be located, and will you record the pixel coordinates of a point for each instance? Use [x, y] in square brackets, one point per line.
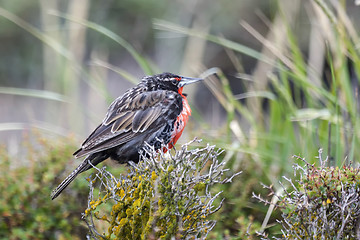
[153, 113]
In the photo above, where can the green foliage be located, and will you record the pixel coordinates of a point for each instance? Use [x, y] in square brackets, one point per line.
[161, 197]
[26, 211]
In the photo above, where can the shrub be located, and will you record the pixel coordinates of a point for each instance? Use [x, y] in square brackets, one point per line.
[26, 210]
[163, 196]
[323, 204]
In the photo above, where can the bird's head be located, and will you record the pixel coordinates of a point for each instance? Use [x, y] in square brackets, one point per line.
[169, 81]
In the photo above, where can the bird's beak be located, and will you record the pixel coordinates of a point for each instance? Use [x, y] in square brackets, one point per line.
[187, 80]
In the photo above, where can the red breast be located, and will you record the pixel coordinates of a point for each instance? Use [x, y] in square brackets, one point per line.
[180, 122]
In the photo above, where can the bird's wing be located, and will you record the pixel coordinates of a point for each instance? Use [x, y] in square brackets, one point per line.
[130, 116]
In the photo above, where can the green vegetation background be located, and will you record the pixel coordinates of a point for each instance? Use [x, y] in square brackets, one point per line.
[287, 83]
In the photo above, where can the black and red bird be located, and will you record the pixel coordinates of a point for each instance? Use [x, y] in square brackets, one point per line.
[153, 112]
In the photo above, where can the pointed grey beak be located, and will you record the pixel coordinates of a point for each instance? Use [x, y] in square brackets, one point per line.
[187, 80]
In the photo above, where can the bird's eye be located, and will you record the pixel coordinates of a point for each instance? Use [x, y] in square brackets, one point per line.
[175, 81]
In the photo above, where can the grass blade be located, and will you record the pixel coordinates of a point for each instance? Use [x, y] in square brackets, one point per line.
[34, 93]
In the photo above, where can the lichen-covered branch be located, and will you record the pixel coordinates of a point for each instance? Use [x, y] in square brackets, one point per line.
[163, 196]
[323, 204]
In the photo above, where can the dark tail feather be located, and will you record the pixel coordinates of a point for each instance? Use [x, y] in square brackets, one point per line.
[81, 168]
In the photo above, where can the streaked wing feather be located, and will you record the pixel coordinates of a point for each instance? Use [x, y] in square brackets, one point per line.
[104, 145]
[123, 122]
[101, 133]
[114, 117]
[127, 117]
[150, 119]
[145, 118]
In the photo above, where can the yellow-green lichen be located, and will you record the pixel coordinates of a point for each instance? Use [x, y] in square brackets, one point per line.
[160, 198]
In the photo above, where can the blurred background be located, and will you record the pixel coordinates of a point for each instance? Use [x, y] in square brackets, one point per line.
[286, 83]
[75, 57]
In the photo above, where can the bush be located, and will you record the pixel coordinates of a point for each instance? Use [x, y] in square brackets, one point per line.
[162, 196]
[323, 204]
[26, 210]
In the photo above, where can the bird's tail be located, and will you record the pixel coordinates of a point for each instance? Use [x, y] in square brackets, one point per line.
[81, 168]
